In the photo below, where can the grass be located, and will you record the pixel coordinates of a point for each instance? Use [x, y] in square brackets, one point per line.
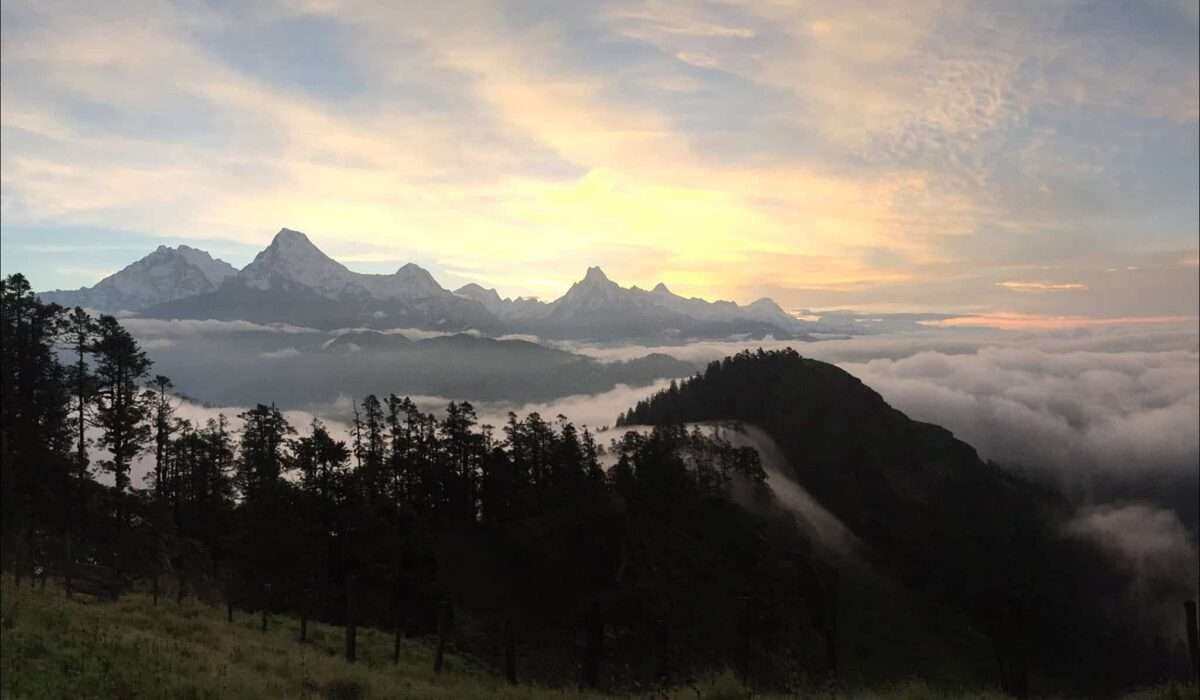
[51, 647]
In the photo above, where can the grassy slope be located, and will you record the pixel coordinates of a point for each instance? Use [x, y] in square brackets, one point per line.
[51, 647]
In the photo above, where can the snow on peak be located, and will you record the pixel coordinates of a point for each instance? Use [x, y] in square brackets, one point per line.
[291, 256]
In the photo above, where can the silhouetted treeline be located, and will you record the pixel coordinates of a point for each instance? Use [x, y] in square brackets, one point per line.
[519, 537]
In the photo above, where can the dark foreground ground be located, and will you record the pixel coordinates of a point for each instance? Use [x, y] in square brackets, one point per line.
[52, 647]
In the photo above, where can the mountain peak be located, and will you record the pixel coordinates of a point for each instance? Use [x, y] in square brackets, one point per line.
[166, 274]
[661, 288]
[293, 256]
[290, 238]
[291, 243]
[765, 303]
[490, 298]
[595, 274]
[414, 281]
[411, 269]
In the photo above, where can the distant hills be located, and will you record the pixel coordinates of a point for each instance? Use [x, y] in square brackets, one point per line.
[293, 281]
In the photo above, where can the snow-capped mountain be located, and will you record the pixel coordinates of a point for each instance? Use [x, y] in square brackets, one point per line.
[599, 308]
[167, 274]
[292, 257]
[514, 309]
[293, 281]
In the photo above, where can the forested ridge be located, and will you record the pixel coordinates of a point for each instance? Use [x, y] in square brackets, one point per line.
[648, 562]
[966, 534]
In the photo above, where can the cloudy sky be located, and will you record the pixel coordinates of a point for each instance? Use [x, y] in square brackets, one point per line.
[1026, 160]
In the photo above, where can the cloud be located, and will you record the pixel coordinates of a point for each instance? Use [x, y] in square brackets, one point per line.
[184, 328]
[1077, 404]
[1153, 546]
[824, 525]
[1019, 321]
[199, 414]
[1041, 286]
[520, 336]
[1075, 414]
[592, 410]
[281, 354]
[410, 333]
[728, 149]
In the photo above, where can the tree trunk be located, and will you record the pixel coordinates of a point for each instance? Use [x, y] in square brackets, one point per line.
[663, 632]
[510, 651]
[443, 634]
[69, 562]
[19, 562]
[398, 621]
[154, 589]
[266, 605]
[351, 624]
[593, 647]
[1193, 637]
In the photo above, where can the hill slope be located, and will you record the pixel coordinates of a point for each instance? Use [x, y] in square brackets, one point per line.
[962, 532]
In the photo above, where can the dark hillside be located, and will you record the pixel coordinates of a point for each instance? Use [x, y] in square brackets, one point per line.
[954, 527]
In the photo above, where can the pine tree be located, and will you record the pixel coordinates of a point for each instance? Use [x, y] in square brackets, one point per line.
[163, 427]
[35, 435]
[121, 411]
[264, 431]
[80, 333]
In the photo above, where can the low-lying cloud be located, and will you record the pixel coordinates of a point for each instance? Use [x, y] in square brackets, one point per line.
[410, 333]
[280, 354]
[1095, 401]
[182, 328]
[595, 411]
[1154, 548]
[1067, 411]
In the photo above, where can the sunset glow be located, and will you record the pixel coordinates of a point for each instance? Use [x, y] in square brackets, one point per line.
[962, 158]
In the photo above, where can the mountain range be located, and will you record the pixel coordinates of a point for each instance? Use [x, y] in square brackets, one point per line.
[293, 281]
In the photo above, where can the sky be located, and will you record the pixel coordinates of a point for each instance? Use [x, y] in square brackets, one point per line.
[1035, 162]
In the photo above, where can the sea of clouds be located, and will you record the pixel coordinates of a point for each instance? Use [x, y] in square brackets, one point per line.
[1078, 403]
